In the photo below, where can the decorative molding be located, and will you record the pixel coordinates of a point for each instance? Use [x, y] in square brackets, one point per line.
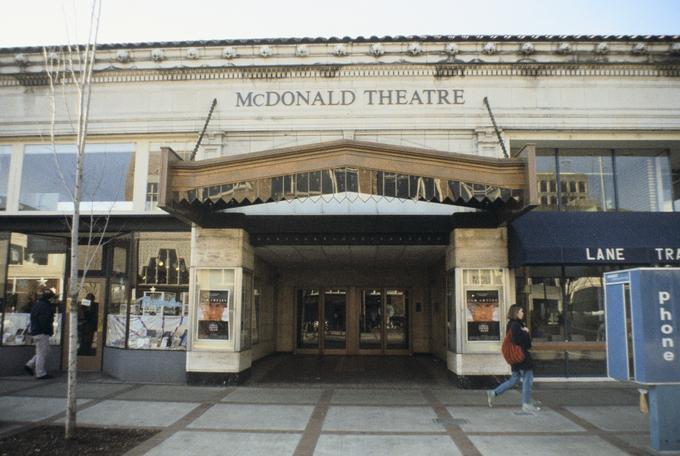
[123, 55]
[527, 48]
[376, 50]
[601, 48]
[21, 59]
[157, 55]
[441, 70]
[489, 48]
[266, 51]
[415, 48]
[52, 57]
[340, 50]
[639, 48]
[301, 51]
[451, 49]
[564, 48]
[229, 52]
[193, 53]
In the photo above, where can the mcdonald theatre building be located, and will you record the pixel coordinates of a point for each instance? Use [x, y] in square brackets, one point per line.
[338, 196]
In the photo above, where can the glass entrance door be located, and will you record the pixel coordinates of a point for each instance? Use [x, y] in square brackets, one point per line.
[90, 325]
[322, 320]
[371, 320]
[384, 320]
[396, 319]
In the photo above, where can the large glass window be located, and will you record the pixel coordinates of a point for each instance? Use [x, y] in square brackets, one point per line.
[643, 181]
[586, 180]
[607, 180]
[159, 312]
[5, 158]
[48, 176]
[34, 262]
[565, 313]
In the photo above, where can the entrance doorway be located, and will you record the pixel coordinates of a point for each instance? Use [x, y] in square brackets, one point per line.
[90, 310]
[383, 321]
[338, 321]
[322, 320]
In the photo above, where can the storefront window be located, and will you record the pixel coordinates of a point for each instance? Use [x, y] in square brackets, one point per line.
[643, 181]
[5, 158]
[159, 312]
[565, 314]
[34, 262]
[586, 180]
[48, 175]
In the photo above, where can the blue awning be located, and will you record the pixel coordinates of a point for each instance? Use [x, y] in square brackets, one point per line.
[640, 238]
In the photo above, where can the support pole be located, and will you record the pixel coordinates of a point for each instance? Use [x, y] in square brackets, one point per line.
[664, 417]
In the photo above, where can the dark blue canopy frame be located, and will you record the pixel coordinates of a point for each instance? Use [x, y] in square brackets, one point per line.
[640, 238]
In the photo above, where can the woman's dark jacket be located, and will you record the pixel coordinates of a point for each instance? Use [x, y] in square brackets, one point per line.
[42, 315]
[523, 339]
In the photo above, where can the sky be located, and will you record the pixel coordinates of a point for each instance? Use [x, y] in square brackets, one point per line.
[54, 22]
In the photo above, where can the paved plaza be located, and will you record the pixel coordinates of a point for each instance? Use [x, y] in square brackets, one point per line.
[600, 418]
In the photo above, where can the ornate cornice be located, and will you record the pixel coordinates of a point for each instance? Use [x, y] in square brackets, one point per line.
[389, 51]
[438, 71]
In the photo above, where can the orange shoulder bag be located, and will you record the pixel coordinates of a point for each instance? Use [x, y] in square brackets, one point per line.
[512, 352]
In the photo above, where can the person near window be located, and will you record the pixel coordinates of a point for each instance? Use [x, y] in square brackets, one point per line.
[42, 316]
[521, 371]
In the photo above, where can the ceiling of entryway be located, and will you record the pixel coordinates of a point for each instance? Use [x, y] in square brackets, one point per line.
[386, 256]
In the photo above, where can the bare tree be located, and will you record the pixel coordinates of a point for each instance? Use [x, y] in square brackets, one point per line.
[71, 69]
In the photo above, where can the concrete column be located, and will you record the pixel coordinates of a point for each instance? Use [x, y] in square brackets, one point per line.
[478, 249]
[219, 361]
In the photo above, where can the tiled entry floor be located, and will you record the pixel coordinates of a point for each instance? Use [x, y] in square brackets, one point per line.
[343, 420]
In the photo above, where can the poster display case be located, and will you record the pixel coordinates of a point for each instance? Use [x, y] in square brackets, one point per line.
[482, 294]
[214, 307]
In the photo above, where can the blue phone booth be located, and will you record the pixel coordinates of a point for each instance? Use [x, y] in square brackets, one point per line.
[643, 342]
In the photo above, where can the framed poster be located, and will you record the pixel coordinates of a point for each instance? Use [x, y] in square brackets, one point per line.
[213, 322]
[482, 309]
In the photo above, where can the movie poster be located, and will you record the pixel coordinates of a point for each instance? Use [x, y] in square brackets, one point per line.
[483, 319]
[214, 314]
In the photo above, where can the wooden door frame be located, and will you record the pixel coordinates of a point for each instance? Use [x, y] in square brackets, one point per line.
[89, 363]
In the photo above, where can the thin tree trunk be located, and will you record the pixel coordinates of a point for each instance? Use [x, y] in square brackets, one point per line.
[84, 87]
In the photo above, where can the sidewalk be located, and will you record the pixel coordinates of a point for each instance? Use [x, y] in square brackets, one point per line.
[302, 419]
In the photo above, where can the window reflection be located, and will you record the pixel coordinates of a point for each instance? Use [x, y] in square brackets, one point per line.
[565, 305]
[643, 181]
[48, 176]
[586, 180]
[308, 318]
[5, 158]
[606, 180]
[34, 262]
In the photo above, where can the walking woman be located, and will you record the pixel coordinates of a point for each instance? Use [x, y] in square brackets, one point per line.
[524, 370]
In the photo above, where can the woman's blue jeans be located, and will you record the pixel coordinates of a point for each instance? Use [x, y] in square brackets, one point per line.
[527, 377]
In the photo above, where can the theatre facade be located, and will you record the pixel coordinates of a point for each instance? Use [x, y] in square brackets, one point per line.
[341, 196]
